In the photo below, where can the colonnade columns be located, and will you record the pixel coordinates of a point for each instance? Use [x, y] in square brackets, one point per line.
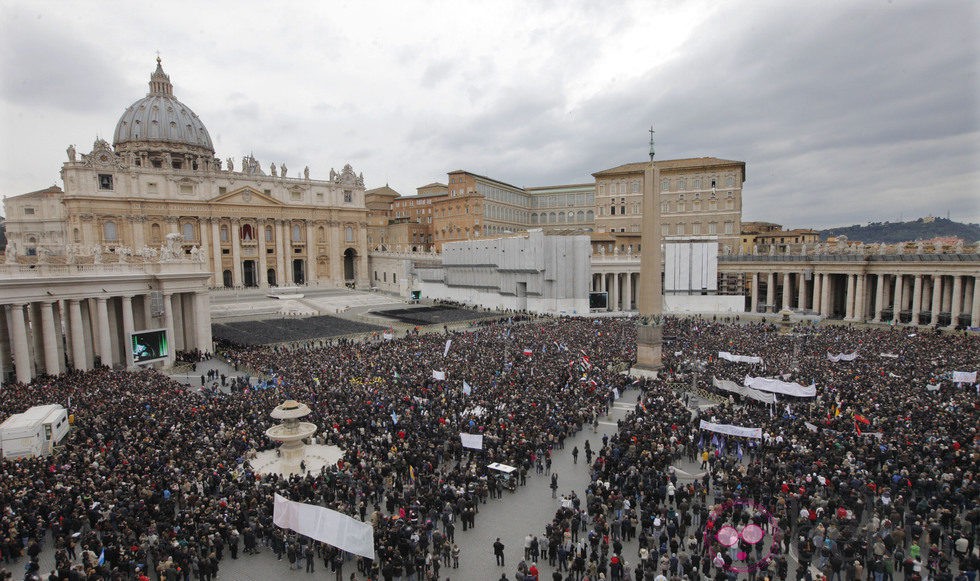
[128, 328]
[78, 355]
[236, 254]
[801, 291]
[849, 299]
[786, 290]
[937, 299]
[770, 291]
[337, 256]
[263, 274]
[825, 296]
[879, 297]
[50, 337]
[859, 298]
[818, 293]
[18, 332]
[956, 303]
[975, 314]
[916, 298]
[899, 298]
[285, 261]
[6, 364]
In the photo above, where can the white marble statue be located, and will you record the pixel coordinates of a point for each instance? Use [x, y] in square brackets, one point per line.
[272, 169]
[306, 173]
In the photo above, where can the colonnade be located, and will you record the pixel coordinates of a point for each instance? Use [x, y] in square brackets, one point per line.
[620, 286]
[48, 336]
[916, 298]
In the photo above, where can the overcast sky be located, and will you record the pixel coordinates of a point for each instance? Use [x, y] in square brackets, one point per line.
[844, 112]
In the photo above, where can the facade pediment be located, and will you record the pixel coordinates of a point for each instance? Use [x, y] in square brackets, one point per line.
[246, 196]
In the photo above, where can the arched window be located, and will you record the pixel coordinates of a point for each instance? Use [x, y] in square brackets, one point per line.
[154, 232]
[349, 234]
[580, 216]
[321, 233]
[247, 233]
[297, 233]
[76, 235]
[268, 233]
[224, 232]
[590, 216]
[109, 233]
[188, 231]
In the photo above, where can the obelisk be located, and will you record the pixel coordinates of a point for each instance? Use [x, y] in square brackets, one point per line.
[650, 296]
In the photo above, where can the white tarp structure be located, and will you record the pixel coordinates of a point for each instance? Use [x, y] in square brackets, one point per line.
[739, 358]
[748, 392]
[731, 430]
[964, 377]
[474, 441]
[842, 356]
[690, 264]
[777, 386]
[325, 525]
[501, 467]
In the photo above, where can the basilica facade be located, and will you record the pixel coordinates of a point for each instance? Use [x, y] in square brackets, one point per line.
[161, 180]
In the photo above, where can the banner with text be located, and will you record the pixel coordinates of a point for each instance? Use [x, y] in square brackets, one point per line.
[730, 430]
[328, 526]
[783, 387]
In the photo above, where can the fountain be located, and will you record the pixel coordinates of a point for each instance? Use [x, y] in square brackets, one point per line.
[293, 455]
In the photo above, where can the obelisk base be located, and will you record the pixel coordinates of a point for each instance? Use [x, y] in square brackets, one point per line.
[649, 351]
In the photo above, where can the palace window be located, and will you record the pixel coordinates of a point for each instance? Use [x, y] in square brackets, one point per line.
[665, 185]
[105, 181]
[297, 233]
[268, 233]
[224, 233]
[28, 211]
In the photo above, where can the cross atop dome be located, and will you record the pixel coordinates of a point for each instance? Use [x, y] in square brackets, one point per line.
[160, 81]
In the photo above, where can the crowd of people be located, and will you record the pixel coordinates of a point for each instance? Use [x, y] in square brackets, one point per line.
[154, 480]
[876, 475]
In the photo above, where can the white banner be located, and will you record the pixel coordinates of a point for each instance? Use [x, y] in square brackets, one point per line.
[842, 356]
[810, 426]
[730, 430]
[777, 386]
[739, 358]
[743, 391]
[466, 388]
[446, 350]
[325, 525]
[474, 441]
[388, 336]
[932, 387]
[438, 375]
[888, 355]
[964, 377]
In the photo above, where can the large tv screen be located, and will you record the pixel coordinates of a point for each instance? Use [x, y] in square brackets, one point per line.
[598, 300]
[149, 345]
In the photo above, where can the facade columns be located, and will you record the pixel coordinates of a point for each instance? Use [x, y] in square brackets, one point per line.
[337, 256]
[787, 288]
[617, 304]
[105, 342]
[128, 328]
[217, 270]
[956, 302]
[50, 337]
[236, 253]
[22, 353]
[770, 291]
[78, 357]
[916, 298]
[286, 256]
[202, 322]
[849, 299]
[311, 253]
[263, 275]
[6, 363]
[168, 323]
[754, 304]
[628, 292]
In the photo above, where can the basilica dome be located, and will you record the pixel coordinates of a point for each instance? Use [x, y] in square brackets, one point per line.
[160, 122]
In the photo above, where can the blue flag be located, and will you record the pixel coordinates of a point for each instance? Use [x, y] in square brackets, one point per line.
[102, 558]
[394, 418]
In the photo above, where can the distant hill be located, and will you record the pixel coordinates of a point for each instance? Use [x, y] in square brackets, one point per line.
[893, 232]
